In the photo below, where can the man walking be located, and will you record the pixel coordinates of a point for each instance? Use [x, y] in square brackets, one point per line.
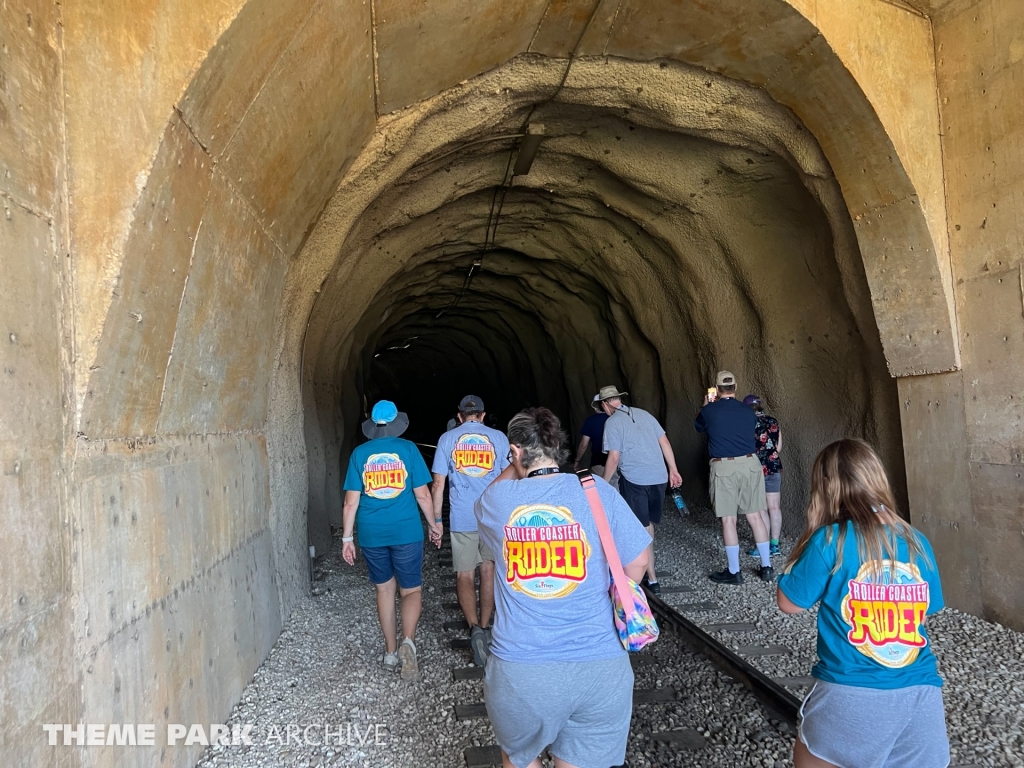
[471, 455]
[592, 436]
[737, 480]
[639, 450]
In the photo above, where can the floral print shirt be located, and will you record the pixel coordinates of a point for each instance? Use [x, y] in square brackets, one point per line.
[767, 437]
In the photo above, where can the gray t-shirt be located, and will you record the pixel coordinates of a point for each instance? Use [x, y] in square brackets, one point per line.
[472, 455]
[634, 433]
[551, 578]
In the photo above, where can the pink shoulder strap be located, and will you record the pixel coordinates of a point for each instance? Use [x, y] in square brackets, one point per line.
[608, 543]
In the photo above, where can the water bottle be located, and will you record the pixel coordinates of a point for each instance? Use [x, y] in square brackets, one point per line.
[677, 497]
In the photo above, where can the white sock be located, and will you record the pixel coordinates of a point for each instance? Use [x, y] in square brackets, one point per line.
[764, 550]
[733, 553]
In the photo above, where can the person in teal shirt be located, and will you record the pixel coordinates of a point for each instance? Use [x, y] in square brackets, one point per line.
[877, 702]
[386, 487]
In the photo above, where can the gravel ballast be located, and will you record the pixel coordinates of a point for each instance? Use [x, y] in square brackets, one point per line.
[325, 670]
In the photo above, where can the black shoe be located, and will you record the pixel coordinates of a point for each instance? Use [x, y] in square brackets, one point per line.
[655, 588]
[726, 577]
[767, 573]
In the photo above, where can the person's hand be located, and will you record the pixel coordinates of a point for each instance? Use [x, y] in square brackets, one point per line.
[707, 398]
[674, 479]
[348, 552]
[436, 534]
[576, 465]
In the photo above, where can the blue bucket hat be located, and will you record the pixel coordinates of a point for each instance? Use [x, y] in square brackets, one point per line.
[385, 421]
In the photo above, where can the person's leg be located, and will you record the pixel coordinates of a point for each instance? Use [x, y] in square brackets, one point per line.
[465, 559]
[729, 531]
[486, 592]
[466, 592]
[386, 614]
[506, 763]
[775, 516]
[652, 575]
[802, 758]
[560, 763]
[412, 605]
[408, 562]
[655, 505]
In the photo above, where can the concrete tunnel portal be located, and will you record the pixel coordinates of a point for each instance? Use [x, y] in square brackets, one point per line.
[654, 240]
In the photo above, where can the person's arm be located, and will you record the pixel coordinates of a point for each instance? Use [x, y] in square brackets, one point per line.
[611, 465]
[785, 604]
[674, 478]
[437, 492]
[422, 494]
[636, 570]
[508, 473]
[348, 518]
[584, 442]
[699, 423]
[778, 442]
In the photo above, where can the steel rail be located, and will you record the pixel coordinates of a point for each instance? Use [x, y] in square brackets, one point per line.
[774, 697]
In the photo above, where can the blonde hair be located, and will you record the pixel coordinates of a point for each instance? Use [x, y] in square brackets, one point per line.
[848, 483]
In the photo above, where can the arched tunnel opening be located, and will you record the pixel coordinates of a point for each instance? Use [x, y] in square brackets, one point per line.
[666, 229]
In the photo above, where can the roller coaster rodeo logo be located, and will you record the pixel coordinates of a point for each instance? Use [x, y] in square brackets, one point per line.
[384, 476]
[473, 455]
[885, 618]
[546, 551]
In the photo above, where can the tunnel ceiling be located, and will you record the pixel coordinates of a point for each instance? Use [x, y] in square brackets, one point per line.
[673, 222]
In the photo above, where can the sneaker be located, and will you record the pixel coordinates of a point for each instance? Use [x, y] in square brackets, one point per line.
[655, 588]
[776, 552]
[753, 552]
[391, 662]
[407, 655]
[726, 577]
[766, 572]
[479, 641]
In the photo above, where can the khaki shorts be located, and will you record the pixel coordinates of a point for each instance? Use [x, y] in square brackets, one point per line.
[468, 551]
[598, 471]
[737, 486]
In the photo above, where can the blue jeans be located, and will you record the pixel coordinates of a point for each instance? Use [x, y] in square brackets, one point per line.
[402, 561]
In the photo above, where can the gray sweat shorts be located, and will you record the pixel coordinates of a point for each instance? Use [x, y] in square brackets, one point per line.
[580, 710]
[868, 728]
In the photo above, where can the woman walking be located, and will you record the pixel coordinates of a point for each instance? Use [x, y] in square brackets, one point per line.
[557, 676]
[877, 702]
[386, 489]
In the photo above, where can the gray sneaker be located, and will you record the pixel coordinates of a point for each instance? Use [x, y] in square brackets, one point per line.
[391, 662]
[480, 642]
[407, 655]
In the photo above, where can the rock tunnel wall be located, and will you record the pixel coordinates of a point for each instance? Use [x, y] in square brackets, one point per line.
[170, 172]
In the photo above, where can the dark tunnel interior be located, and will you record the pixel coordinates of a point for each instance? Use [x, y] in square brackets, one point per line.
[651, 244]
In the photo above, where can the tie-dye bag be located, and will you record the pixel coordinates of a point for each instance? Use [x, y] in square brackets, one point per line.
[632, 615]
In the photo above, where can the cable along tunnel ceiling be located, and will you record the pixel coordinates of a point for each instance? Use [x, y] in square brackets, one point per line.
[672, 223]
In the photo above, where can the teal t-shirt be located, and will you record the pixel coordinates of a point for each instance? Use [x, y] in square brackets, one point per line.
[870, 635]
[385, 471]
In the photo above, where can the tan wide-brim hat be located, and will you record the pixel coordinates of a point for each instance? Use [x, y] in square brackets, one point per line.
[607, 393]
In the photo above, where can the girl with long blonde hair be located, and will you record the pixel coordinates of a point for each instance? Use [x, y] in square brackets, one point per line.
[877, 700]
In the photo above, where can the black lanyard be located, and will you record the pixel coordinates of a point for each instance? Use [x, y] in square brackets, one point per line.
[544, 471]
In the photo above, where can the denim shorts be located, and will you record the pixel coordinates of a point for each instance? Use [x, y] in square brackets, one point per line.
[580, 710]
[646, 501]
[403, 561]
[773, 483]
[856, 727]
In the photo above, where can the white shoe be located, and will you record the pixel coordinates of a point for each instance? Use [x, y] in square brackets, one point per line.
[407, 655]
[391, 662]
